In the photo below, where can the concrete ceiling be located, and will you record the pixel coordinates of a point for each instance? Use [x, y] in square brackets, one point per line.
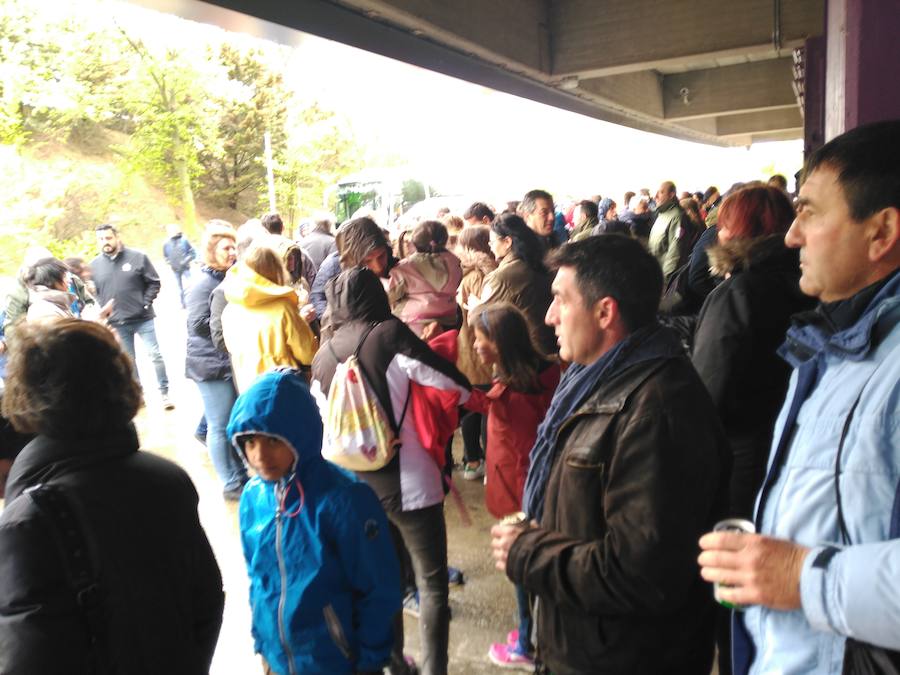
[714, 71]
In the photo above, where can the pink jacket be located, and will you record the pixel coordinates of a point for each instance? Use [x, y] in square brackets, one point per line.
[423, 289]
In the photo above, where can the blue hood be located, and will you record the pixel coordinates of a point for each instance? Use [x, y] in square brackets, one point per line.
[279, 404]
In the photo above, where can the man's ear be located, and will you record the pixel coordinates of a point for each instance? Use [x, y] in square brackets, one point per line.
[606, 312]
[884, 232]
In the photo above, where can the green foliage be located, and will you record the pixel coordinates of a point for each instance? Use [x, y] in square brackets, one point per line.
[76, 83]
[252, 102]
[321, 151]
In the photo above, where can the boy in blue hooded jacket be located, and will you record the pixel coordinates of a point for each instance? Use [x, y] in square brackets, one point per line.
[324, 578]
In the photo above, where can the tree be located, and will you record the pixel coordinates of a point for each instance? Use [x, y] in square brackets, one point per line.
[169, 108]
[252, 101]
[321, 149]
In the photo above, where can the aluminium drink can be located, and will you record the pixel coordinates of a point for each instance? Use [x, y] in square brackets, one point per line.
[731, 525]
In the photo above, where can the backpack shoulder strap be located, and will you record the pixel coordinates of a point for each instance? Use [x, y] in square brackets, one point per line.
[70, 536]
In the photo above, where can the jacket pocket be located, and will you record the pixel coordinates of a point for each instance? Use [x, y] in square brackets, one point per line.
[584, 457]
[336, 631]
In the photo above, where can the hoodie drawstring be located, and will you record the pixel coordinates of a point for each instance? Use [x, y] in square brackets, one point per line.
[283, 498]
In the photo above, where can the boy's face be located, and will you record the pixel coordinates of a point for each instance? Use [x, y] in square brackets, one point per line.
[270, 457]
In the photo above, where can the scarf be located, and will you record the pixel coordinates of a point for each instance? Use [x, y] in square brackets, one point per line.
[579, 382]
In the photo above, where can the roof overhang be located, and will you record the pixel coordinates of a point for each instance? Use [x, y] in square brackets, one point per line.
[713, 71]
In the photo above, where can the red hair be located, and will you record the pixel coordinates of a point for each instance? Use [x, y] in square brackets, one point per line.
[756, 211]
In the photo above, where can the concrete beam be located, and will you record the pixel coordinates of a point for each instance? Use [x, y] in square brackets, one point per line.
[592, 39]
[279, 20]
[747, 87]
[768, 121]
[516, 32]
[637, 91]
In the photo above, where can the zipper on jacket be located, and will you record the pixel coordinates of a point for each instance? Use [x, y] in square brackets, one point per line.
[282, 570]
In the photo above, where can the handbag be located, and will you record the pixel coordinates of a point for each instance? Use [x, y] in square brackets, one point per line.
[862, 658]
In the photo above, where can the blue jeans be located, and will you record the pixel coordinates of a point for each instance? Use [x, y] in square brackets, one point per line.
[180, 278]
[218, 398]
[524, 606]
[147, 332]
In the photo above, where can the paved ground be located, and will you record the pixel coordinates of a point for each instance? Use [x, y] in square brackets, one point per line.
[483, 609]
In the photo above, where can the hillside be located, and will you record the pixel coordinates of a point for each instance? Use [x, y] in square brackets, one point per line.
[54, 194]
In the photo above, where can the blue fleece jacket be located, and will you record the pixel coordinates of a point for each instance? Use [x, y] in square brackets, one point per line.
[324, 578]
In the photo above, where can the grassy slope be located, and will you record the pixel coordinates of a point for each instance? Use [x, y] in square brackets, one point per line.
[54, 194]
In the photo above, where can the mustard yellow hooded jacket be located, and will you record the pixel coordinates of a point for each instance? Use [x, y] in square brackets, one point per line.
[262, 327]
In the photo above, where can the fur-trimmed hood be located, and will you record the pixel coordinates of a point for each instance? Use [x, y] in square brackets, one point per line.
[476, 260]
[740, 254]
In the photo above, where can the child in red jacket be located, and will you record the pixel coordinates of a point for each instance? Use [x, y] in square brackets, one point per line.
[524, 382]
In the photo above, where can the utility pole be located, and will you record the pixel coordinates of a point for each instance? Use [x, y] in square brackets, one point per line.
[270, 173]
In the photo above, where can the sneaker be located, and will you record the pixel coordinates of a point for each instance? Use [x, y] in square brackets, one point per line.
[411, 605]
[509, 657]
[167, 403]
[512, 637]
[473, 472]
[455, 576]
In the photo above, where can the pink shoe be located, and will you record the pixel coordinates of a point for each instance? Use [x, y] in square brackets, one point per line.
[509, 657]
[512, 637]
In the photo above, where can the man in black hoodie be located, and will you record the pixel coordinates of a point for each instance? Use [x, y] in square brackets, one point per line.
[128, 278]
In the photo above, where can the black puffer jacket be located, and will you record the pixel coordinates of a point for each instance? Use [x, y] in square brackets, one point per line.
[640, 474]
[160, 588]
[740, 327]
[203, 360]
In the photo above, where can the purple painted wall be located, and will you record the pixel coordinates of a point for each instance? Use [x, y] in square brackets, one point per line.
[873, 61]
[862, 63]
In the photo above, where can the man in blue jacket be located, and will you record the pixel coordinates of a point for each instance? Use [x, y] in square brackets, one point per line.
[823, 568]
[128, 279]
[179, 254]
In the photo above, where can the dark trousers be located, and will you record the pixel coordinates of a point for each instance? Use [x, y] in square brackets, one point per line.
[423, 532]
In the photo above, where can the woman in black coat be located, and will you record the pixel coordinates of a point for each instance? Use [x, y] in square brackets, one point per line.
[209, 366]
[104, 567]
[741, 325]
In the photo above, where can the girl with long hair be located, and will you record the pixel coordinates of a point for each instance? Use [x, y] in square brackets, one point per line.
[524, 382]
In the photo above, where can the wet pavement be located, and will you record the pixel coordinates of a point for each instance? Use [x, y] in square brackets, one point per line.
[483, 609]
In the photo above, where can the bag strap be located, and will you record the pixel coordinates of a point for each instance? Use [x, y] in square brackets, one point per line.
[845, 535]
[72, 545]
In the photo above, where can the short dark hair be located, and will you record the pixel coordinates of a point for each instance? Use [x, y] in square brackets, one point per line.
[529, 201]
[778, 180]
[868, 171]
[75, 265]
[106, 226]
[589, 209]
[616, 266]
[69, 379]
[46, 272]
[479, 211]
[272, 222]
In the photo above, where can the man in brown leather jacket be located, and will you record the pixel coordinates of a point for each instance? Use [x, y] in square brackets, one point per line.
[629, 468]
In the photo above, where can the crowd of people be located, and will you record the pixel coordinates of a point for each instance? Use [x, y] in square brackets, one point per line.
[622, 378]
